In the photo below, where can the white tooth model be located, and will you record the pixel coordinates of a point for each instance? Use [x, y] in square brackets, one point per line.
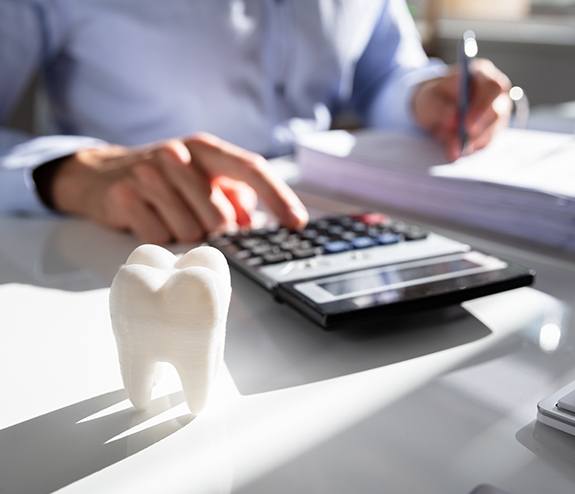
[169, 309]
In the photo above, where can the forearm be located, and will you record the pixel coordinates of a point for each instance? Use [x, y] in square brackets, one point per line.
[391, 66]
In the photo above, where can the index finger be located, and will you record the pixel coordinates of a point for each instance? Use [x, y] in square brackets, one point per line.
[219, 158]
[488, 83]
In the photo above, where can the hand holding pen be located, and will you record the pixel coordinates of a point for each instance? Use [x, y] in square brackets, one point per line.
[465, 108]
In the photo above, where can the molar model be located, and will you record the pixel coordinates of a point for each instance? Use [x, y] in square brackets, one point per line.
[169, 309]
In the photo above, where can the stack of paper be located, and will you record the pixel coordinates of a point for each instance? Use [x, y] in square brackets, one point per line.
[523, 184]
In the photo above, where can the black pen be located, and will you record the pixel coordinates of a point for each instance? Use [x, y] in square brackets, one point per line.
[467, 53]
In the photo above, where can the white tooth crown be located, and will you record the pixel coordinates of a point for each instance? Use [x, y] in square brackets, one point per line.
[169, 309]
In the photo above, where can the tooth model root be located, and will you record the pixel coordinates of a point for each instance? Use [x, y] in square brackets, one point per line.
[195, 390]
[165, 309]
[138, 377]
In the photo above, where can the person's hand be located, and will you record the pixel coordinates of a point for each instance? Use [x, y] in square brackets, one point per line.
[178, 190]
[435, 107]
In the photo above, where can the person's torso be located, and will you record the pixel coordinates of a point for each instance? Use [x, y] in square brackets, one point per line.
[254, 72]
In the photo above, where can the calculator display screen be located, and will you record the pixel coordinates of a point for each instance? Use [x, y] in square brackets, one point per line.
[391, 276]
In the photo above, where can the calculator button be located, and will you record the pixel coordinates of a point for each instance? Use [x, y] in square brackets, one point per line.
[359, 227]
[260, 250]
[348, 236]
[414, 233]
[335, 230]
[263, 232]
[289, 245]
[372, 218]
[304, 253]
[388, 238]
[250, 243]
[345, 221]
[275, 258]
[336, 246]
[242, 254]
[254, 262]
[320, 224]
[363, 242]
[399, 227]
[321, 240]
[277, 238]
[309, 234]
[302, 244]
[372, 231]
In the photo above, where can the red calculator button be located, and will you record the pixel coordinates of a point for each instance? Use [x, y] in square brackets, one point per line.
[372, 218]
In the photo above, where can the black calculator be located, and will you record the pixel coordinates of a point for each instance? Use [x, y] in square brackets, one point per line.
[345, 269]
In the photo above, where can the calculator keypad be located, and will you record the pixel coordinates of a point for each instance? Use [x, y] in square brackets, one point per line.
[326, 236]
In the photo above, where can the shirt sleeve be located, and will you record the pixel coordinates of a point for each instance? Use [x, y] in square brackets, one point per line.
[391, 66]
[28, 36]
[17, 188]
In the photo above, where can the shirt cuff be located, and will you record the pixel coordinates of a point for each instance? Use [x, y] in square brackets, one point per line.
[18, 193]
[17, 188]
[392, 108]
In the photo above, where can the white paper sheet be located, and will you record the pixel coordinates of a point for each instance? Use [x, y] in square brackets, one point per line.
[540, 161]
[523, 184]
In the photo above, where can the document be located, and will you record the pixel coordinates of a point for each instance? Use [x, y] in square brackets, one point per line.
[522, 184]
[539, 161]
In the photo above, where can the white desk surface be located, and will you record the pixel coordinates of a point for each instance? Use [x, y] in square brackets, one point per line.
[438, 402]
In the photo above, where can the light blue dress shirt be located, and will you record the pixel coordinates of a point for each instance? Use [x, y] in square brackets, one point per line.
[255, 72]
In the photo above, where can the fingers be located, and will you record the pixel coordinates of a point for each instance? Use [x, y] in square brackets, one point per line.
[209, 204]
[242, 197]
[173, 211]
[218, 158]
[166, 192]
[435, 103]
[185, 199]
[486, 127]
[183, 195]
[491, 123]
[133, 213]
[488, 84]
[482, 136]
[143, 200]
[452, 147]
[486, 120]
[482, 140]
[223, 204]
[436, 107]
[446, 133]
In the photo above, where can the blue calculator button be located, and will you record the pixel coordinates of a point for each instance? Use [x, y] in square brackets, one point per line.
[363, 242]
[336, 246]
[388, 238]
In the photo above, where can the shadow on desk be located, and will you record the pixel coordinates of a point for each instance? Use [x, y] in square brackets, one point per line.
[53, 450]
[270, 346]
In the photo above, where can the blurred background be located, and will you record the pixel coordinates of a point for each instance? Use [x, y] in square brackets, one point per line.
[533, 41]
